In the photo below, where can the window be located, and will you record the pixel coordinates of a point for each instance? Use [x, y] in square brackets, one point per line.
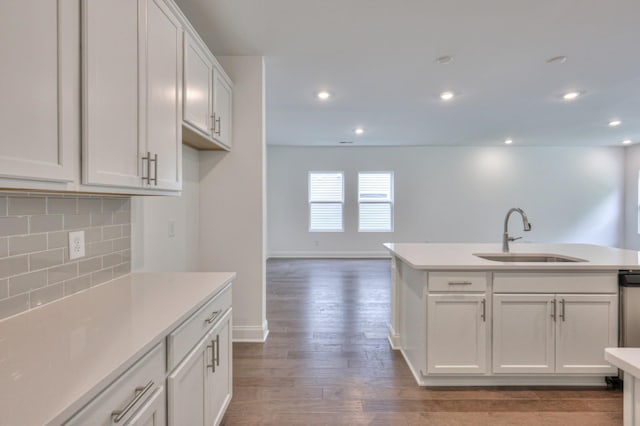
[326, 199]
[375, 201]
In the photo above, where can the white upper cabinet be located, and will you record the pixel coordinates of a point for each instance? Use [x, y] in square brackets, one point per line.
[222, 108]
[132, 74]
[207, 98]
[198, 87]
[164, 95]
[39, 114]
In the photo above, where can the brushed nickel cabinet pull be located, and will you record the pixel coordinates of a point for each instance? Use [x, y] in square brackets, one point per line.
[118, 415]
[148, 160]
[219, 126]
[153, 160]
[218, 350]
[213, 123]
[213, 356]
[562, 307]
[212, 317]
[484, 310]
[460, 283]
[553, 314]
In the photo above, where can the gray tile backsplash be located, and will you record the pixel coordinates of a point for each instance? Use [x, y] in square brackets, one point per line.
[34, 258]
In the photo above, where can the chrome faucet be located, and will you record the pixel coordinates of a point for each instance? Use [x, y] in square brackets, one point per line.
[505, 237]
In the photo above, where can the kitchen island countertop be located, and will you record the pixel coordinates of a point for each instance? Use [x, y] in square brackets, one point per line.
[460, 256]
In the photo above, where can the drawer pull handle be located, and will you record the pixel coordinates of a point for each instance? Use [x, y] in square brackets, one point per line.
[139, 393]
[460, 283]
[484, 310]
[218, 350]
[562, 314]
[213, 356]
[213, 317]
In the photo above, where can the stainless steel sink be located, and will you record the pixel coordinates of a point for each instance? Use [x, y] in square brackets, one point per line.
[528, 257]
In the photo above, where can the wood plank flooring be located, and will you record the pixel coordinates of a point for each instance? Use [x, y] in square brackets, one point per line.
[327, 362]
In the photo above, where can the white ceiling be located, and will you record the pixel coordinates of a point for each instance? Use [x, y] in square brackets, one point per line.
[377, 58]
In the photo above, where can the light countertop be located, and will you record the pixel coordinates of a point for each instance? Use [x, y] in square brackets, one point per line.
[452, 257]
[56, 358]
[626, 359]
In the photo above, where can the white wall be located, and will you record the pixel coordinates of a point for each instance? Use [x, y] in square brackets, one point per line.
[458, 194]
[152, 247]
[632, 168]
[232, 203]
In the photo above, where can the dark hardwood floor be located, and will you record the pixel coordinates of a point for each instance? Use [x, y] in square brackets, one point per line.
[327, 361]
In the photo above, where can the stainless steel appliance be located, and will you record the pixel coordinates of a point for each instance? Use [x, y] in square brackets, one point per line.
[629, 309]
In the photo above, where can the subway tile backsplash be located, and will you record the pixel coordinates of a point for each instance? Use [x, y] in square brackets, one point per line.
[34, 256]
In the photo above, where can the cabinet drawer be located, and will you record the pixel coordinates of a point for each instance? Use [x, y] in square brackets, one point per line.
[128, 394]
[555, 282]
[457, 281]
[185, 337]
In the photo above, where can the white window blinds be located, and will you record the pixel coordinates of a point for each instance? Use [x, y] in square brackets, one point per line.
[326, 199]
[375, 201]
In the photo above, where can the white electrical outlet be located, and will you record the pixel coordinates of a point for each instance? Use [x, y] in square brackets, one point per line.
[76, 244]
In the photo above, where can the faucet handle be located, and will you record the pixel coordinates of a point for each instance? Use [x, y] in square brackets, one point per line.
[514, 238]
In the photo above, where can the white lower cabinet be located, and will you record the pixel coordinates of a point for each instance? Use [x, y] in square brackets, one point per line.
[136, 398]
[523, 333]
[553, 333]
[199, 384]
[457, 333]
[587, 323]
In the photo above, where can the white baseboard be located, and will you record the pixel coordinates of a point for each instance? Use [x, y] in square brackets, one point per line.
[394, 338]
[249, 333]
[330, 254]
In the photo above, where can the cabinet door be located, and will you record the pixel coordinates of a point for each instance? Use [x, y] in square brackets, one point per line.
[198, 90]
[112, 37]
[220, 377]
[164, 95]
[222, 108]
[39, 107]
[152, 413]
[586, 325]
[187, 387]
[456, 333]
[523, 333]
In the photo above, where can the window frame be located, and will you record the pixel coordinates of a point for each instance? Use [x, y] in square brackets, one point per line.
[390, 201]
[310, 203]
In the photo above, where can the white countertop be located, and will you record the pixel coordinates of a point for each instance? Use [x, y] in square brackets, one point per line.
[55, 358]
[460, 256]
[626, 359]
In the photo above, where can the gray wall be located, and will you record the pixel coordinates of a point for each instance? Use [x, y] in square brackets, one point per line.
[457, 194]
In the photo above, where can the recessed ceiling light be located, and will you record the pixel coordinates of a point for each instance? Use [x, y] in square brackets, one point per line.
[358, 131]
[557, 60]
[444, 59]
[626, 142]
[324, 95]
[446, 96]
[614, 123]
[570, 96]
[508, 141]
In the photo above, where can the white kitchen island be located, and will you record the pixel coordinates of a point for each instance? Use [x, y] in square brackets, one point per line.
[459, 319]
